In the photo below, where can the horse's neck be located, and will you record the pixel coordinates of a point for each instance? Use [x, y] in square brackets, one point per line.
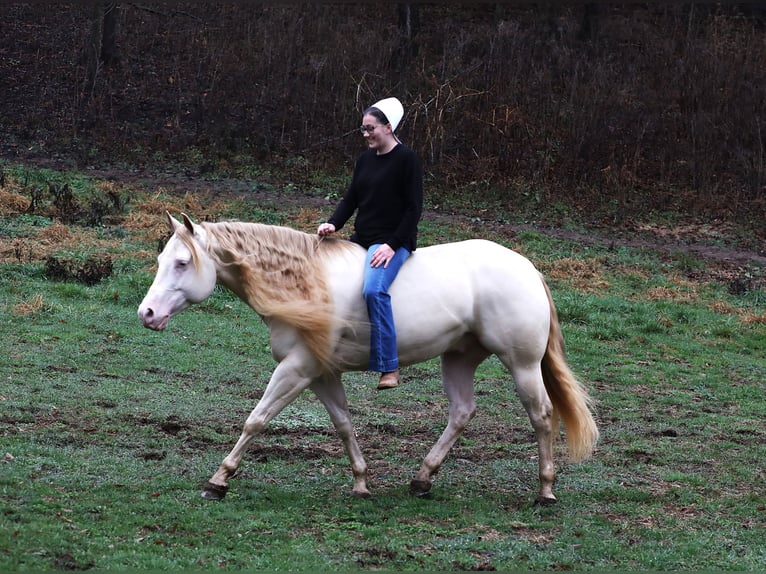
[273, 269]
[240, 239]
[228, 260]
[247, 255]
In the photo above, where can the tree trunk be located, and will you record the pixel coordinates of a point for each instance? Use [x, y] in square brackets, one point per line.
[110, 54]
[589, 22]
[409, 26]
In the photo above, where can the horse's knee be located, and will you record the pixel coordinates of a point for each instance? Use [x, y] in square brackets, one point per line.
[461, 415]
[252, 427]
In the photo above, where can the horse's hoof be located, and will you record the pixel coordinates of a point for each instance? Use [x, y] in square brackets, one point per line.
[361, 494]
[545, 500]
[420, 487]
[214, 491]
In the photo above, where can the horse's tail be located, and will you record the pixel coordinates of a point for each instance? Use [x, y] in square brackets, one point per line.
[571, 402]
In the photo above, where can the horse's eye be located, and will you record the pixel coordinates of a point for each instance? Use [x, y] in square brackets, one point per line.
[180, 264]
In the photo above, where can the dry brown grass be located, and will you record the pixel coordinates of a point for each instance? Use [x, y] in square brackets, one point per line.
[52, 239]
[753, 319]
[582, 274]
[307, 219]
[55, 233]
[680, 290]
[11, 203]
[30, 306]
[149, 217]
[669, 294]
[724, 308]
[746, 317]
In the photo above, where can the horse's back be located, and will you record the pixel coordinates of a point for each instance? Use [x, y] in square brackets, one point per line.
[482, 278]
[484, 267]
[447, 291]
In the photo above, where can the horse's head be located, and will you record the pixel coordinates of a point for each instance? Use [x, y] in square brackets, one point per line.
[186, 274]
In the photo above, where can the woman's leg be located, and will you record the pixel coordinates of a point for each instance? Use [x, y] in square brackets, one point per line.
[377, 280]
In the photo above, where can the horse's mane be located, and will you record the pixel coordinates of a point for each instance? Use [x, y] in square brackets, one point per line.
[282, 275]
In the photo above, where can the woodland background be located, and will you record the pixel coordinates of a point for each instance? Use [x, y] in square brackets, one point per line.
[604, 106]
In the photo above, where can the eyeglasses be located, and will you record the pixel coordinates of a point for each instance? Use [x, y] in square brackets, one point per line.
[368, 129]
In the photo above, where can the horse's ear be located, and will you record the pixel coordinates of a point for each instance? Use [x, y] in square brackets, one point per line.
[174, 223]
[188, 223]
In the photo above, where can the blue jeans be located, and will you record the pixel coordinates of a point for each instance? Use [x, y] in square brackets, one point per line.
[383, 354]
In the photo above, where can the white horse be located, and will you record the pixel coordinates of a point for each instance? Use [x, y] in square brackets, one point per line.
[461, 301]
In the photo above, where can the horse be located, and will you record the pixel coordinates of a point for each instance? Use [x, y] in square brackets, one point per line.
[461, 301]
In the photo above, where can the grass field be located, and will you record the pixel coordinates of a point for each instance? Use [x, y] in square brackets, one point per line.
[109, 430]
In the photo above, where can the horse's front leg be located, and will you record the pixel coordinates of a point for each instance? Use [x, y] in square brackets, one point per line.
[330, 391]
[458, 370]
[287, 382]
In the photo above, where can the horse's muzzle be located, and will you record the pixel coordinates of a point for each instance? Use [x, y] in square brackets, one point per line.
[151, 321]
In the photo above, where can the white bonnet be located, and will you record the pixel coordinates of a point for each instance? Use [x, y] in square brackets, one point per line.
[393, 110]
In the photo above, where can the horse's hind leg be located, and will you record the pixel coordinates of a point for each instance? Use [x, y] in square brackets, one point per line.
[531, 391]
[458, 369]
[330, 391]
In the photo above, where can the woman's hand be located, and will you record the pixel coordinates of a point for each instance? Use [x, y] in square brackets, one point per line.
[325, 229]
[382, 256]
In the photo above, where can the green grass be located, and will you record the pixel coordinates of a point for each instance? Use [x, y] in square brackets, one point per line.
[109, 430]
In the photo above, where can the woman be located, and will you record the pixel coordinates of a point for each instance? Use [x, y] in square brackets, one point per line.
[386, 190]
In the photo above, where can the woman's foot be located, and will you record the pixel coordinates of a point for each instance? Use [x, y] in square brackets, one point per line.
[389, 380]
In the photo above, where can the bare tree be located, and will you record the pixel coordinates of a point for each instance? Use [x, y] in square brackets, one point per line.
[409, 26]
[110, 55]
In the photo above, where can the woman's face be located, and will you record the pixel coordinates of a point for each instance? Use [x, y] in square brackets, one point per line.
[378, 136]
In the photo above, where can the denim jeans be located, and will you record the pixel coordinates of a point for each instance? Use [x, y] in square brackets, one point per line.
[377, 280]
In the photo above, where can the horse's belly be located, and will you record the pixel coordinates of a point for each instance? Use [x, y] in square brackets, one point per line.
[420, 336]
[428, 326]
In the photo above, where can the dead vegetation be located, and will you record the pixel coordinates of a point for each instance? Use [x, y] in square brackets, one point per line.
[12, 203]
[89, 272]
[29, 306]
[614, 108]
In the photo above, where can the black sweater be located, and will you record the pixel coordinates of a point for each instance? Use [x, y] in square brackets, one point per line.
[387, 191]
